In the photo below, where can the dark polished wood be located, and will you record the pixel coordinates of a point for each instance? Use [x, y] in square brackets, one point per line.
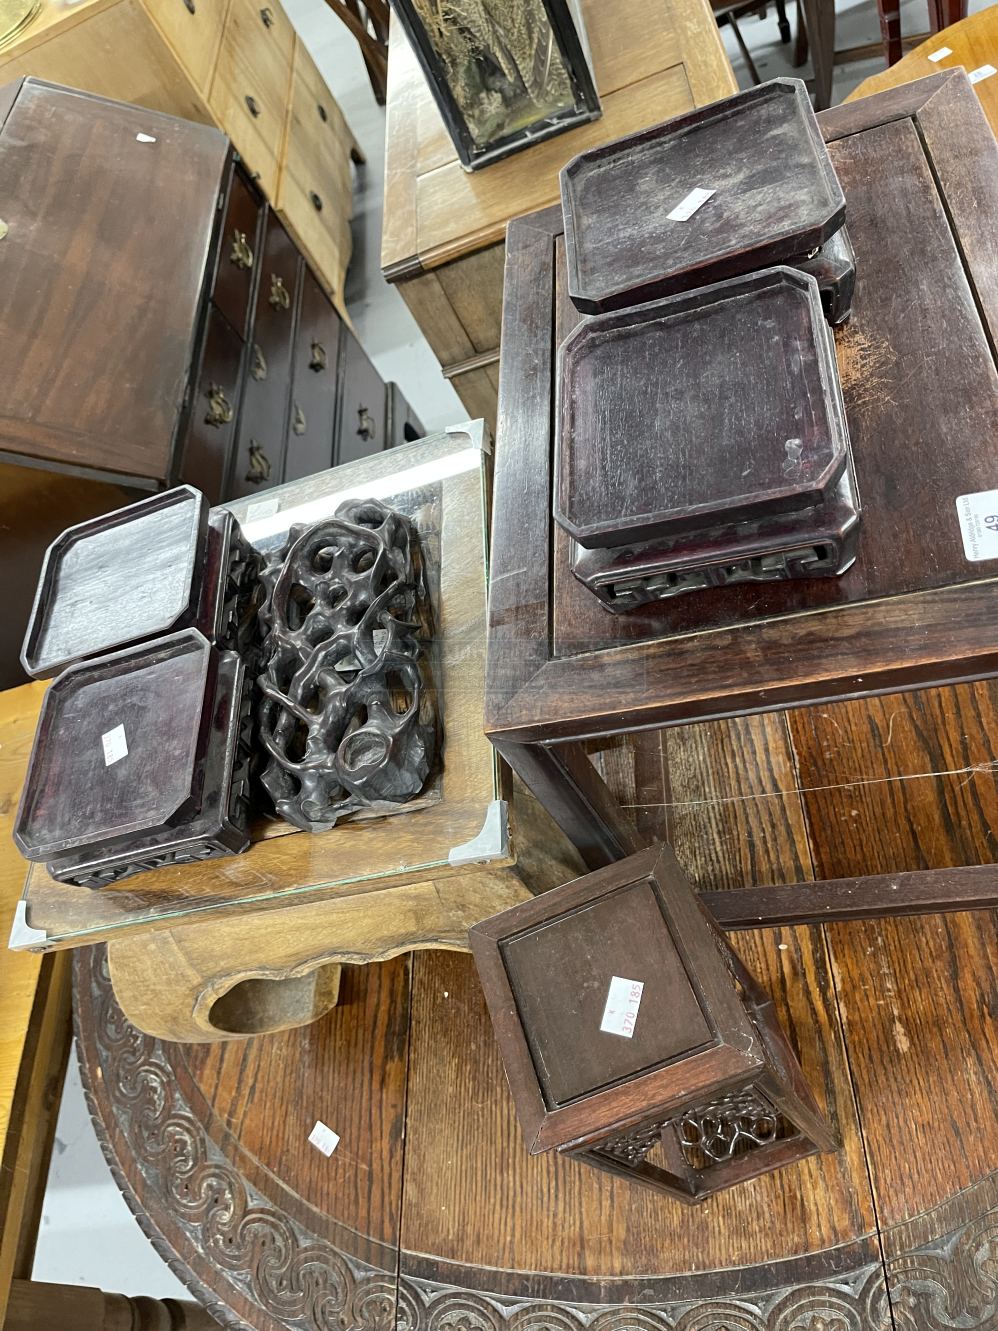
[913, 610]
[774, 442]
[135, 280]
[100, 282]
[140, 759]
[147, 287]
[750, 483]
[774, 199]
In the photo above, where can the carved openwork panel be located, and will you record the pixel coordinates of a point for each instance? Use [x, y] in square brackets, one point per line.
[347, 714]
[632, 1147]
[728, 1126]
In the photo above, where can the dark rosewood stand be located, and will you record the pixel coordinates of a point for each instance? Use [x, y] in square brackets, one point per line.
[919, 168]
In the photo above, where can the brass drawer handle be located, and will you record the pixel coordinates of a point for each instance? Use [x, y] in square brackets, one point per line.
[366, 427]
[316, 201]
[298, 422]
[219, 411]
[259, 464]
[251, 104]
[190, 6]
[267, 16]
[241, 254]
[258, 366]
[323, 113]
[279, 297]
[317, 361]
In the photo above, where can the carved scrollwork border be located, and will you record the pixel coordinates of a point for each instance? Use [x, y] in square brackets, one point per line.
[299, 1281]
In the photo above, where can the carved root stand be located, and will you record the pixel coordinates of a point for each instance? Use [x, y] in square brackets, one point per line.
[253, 943]
[629, 1029]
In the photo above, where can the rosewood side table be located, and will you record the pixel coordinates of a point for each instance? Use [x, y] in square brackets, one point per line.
[919, 167]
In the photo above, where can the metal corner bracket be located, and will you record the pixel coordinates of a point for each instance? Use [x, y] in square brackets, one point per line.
[492, 842]
[22, 937]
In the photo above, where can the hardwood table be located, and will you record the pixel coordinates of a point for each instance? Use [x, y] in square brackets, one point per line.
[431, 1215]
[442, 242]
[916, 360]
[973, 42]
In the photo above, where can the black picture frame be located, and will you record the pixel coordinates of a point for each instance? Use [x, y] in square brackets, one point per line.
[567, 26]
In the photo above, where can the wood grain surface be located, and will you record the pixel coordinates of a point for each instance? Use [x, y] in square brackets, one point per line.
[891, 1021]
[434, 1216]
[115, 251]
[907, 612]
[972, 43]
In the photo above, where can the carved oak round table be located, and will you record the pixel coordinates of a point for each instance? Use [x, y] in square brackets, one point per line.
[430, 1214]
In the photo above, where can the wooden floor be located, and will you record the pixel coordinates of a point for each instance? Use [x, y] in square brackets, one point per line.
[430, 1214]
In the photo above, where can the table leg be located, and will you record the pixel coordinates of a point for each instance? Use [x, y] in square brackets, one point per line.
[942, 13]
[890, 29]
[819, 18]
[569, 787]
[34, 1305]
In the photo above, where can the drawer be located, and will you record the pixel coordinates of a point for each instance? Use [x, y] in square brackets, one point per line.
[250, 89]
[316, 189]
[238, 253]
[211, 424]
[259, 455]
[403, 426]
[193, 28]
[361, 427]
[315, 365]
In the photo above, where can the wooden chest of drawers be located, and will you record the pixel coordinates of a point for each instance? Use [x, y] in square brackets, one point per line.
[161, 322]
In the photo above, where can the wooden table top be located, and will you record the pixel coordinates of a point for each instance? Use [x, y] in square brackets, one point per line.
[973, 42]
[430, 1209]
[653, 59]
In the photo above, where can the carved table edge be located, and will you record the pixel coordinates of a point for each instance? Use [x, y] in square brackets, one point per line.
[309, 1285]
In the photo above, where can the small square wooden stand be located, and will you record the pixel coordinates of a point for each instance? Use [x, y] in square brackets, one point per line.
[626, 1022]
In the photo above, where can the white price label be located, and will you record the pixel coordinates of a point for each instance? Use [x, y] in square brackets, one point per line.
[978, 514]
[622, 1002]
[941, 54]
[323, 1139]
[115, 745]
[695, 199]
[983, 72]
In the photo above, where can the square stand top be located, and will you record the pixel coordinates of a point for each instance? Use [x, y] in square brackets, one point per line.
[551, 969]
[119, 578]
[717, 406]
[919, 167]
[758, 156]
[144, 704]
[439, 482]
